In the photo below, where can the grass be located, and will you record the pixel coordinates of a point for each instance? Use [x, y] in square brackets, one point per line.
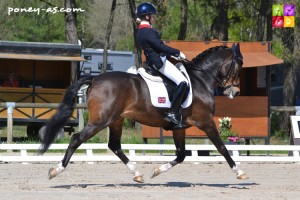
[129, 136]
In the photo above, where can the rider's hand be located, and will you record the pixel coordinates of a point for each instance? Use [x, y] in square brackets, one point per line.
[181, 56]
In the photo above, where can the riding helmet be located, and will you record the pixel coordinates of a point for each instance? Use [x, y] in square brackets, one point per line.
[145, 8]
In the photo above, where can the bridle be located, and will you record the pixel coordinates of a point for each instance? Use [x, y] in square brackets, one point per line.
[230, 73]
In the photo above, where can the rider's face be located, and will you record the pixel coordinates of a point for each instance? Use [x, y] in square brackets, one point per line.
[152, 19]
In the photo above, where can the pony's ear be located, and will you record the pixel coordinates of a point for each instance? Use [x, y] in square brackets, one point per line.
[238, 51]
[233, 47]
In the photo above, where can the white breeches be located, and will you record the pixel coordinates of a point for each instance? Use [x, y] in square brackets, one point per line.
[170, 71]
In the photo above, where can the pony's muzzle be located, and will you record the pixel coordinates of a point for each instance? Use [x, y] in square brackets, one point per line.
[232, 92]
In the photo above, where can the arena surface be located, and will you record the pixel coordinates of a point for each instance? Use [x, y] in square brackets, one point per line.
[112, 180]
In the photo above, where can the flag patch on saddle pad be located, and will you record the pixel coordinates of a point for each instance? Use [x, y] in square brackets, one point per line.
[161, 99]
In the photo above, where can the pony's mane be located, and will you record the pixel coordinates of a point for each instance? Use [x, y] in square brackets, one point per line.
[204, 54]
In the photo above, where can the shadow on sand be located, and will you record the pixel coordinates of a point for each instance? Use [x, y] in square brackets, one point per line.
[168, 184]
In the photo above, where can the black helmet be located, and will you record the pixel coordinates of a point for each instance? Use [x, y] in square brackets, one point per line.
[145, 8]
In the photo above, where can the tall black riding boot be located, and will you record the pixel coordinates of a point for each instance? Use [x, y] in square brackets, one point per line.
[174, 115]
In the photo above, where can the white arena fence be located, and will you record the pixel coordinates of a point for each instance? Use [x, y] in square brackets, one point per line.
[148, 152]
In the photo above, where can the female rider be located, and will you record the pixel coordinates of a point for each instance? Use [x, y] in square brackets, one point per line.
[155, 51]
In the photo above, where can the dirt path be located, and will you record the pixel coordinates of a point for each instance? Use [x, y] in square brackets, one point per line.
[111, 180]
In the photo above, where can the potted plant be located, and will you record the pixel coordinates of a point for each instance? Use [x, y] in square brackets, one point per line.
[227, 134]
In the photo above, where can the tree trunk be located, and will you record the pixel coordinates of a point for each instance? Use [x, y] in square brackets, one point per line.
[137, 50]
[269, 22]
[290, 78]
[265, 9]
[71, 33]
[183, 21]
[107, 35]
[161, 18]
[220, 23]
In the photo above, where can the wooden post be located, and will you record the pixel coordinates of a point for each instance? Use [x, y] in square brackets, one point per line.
[80, 111]
[10, 109]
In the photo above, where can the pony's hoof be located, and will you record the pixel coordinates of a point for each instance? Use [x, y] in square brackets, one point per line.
[243, 176]
[52, 173]
[139, 179]
[155, 172]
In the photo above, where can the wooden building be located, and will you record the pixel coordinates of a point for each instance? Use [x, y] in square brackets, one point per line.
[43, 71]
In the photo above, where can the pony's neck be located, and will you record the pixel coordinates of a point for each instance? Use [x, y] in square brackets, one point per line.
[204, 69]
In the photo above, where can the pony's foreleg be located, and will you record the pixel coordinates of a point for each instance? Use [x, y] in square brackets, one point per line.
[114, 144]
[76, 140]
[179, 140]
[215, 138]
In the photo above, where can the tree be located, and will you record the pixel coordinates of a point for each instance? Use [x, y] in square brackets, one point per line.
[71, 33]
[290, 76]
[219, 27]
[264, 13]
[108, 33]
[137, 50]
[183, 21]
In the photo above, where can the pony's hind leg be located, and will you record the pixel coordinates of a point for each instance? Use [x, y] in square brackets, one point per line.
[179, 140]
[77, 139]
[114, 144]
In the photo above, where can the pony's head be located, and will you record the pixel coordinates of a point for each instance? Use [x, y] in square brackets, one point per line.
[230, 72]
[222, 65]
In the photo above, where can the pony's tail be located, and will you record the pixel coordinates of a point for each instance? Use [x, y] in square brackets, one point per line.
[64, 112]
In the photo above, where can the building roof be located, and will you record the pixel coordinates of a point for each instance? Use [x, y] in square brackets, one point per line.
[256, 54]
[40, 51]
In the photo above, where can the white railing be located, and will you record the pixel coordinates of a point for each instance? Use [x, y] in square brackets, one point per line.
[28, 153]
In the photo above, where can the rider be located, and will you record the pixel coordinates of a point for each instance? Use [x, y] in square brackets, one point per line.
[156, 52]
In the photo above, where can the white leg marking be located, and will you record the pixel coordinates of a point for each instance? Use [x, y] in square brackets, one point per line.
[60, 168]
[132, 168]
[165, 167]
[237, 170]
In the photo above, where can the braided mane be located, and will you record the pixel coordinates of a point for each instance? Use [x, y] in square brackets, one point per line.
[204, 54]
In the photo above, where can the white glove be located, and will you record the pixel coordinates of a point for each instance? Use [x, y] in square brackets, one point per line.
[181, 56]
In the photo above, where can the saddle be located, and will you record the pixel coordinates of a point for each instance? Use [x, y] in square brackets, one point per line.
[162, 88]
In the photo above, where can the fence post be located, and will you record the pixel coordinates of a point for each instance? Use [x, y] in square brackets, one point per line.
[10, 110]
[80, 111]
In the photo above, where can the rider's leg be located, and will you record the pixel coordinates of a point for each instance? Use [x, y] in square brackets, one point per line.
[173, 73]
[174, 114]
[170, 71]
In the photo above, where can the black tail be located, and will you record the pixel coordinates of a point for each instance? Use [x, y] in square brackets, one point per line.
[64, 112]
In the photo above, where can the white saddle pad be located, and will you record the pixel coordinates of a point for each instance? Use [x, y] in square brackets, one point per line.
[158, 91]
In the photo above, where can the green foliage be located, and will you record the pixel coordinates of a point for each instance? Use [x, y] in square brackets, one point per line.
[226, 134]
[39, 26]
[92, 23]
[85, 117]
[281, 134]
[128, 123]
[277, 48]
[125, 43]
[275, 126]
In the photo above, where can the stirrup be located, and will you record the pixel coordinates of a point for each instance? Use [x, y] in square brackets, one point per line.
[175, 118]
[179, 126]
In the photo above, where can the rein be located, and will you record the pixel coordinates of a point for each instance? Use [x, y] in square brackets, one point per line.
[228, 75]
